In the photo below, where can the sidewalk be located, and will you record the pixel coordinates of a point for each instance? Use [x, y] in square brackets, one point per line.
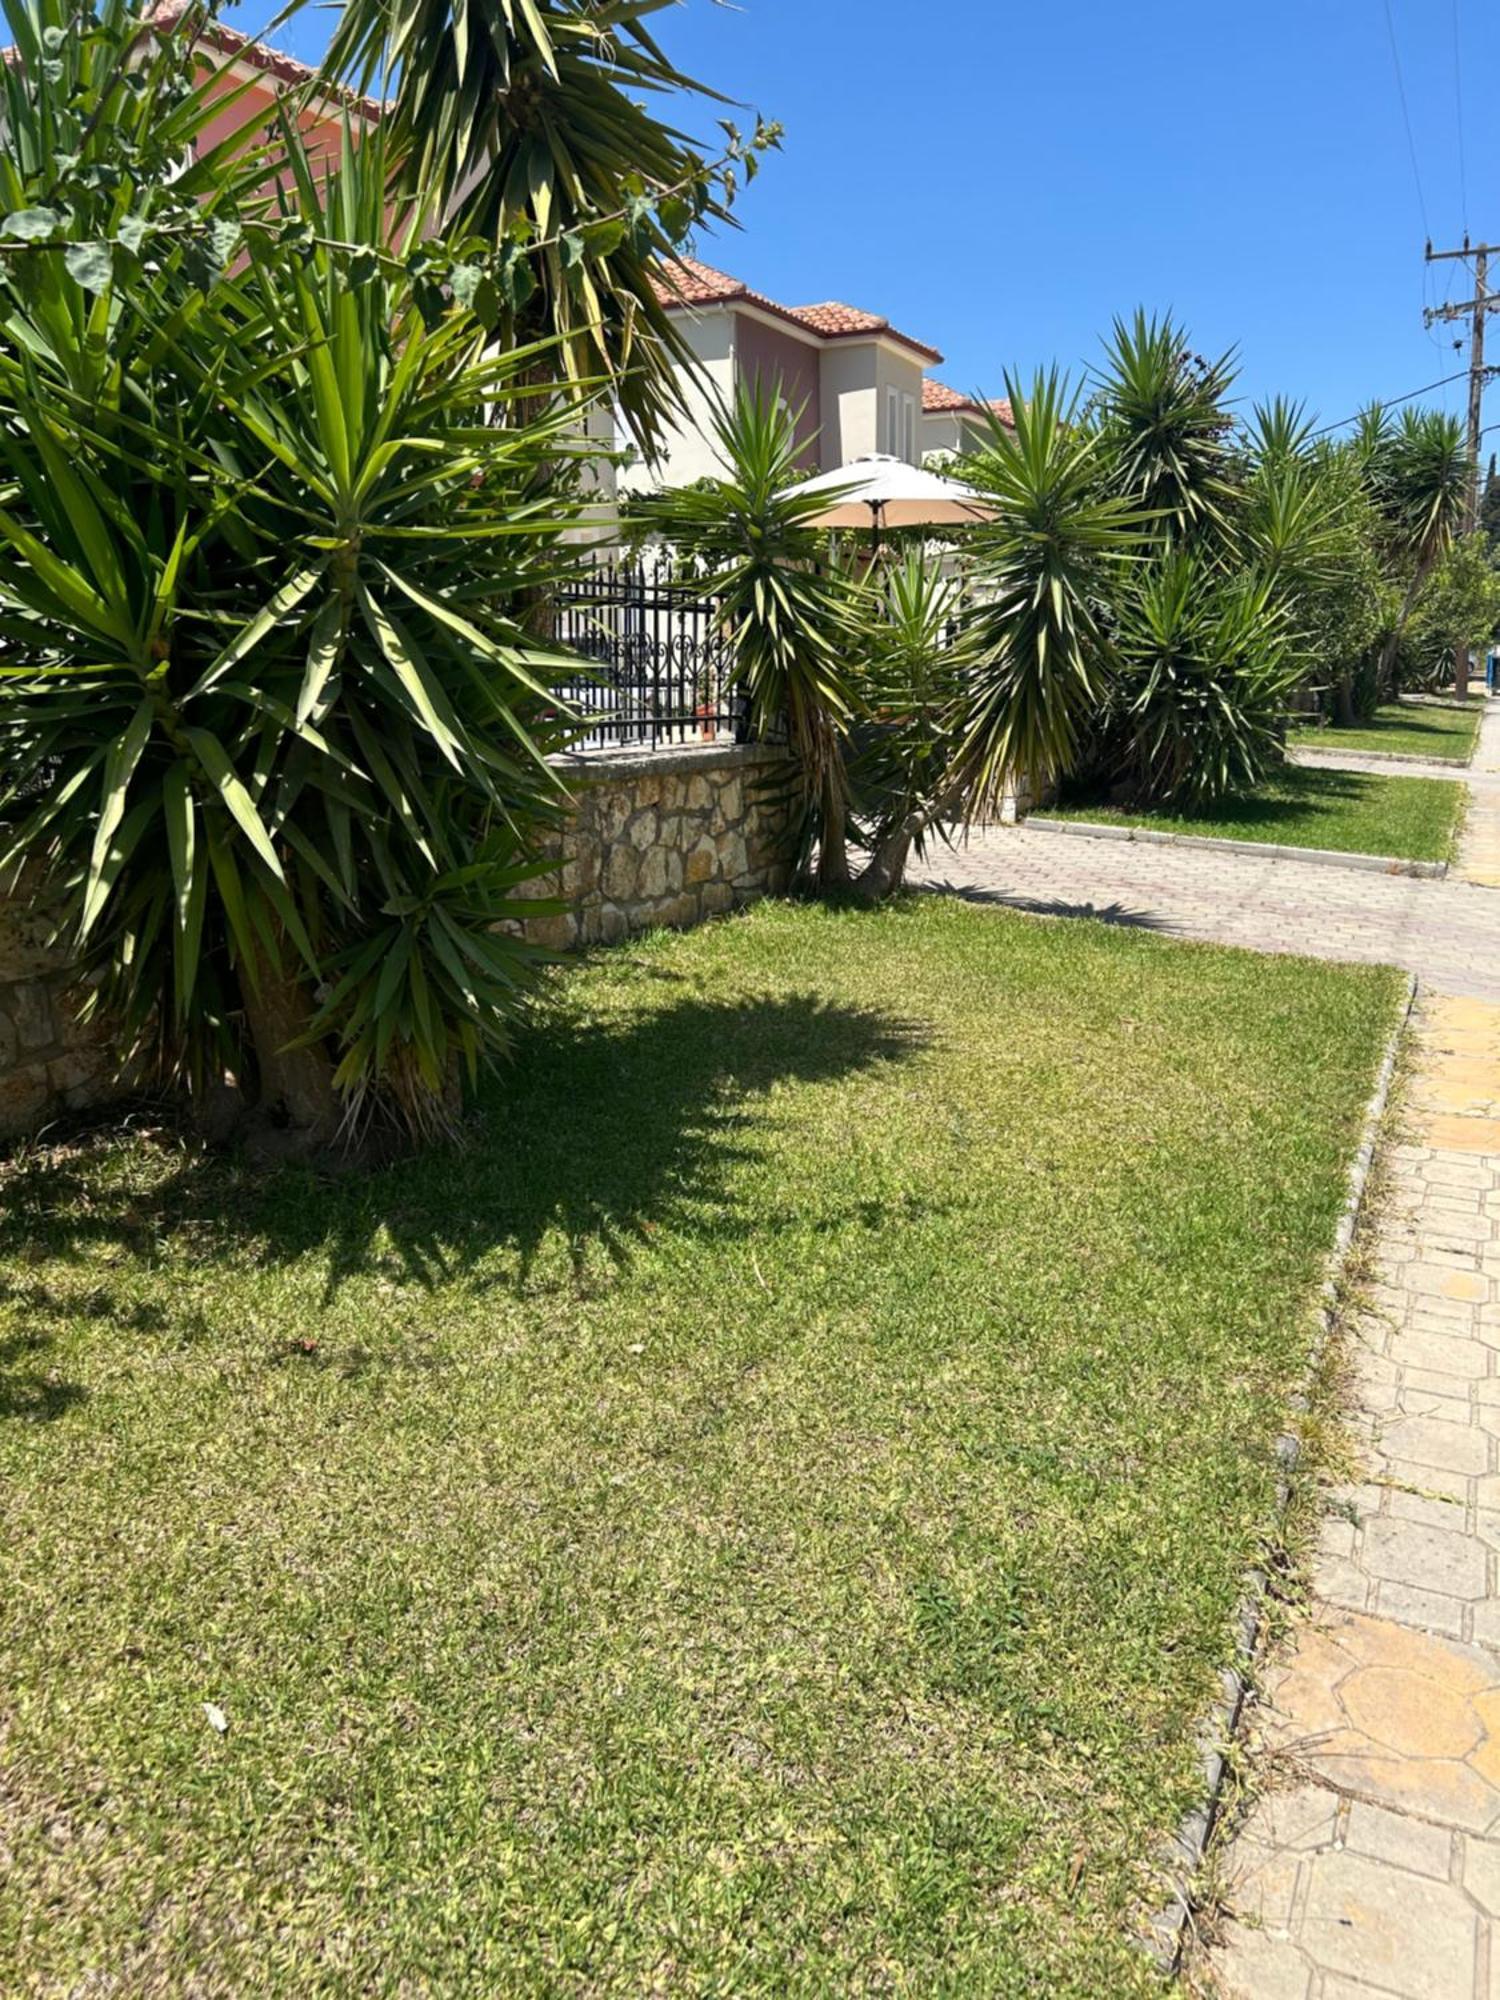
[1371, 1864]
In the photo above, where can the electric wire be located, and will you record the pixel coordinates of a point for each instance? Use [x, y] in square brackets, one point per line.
[1411, 144]
[1393, 402]
[1458, 105]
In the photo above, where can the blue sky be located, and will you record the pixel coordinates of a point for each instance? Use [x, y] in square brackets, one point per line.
[1000, 180]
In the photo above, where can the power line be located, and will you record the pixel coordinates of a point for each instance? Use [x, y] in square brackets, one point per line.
[1411, 144]
[1394, 402]
[1458, 105]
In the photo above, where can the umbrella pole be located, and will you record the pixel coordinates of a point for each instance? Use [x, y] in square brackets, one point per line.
[876, 509]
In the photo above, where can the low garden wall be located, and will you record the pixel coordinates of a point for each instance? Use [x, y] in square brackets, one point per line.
[664, 838]
[50, 1062]
[661, 837]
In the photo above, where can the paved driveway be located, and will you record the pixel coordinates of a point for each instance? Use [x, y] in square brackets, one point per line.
[1447, 932]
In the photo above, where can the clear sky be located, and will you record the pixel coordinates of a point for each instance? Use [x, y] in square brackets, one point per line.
[1000, 179]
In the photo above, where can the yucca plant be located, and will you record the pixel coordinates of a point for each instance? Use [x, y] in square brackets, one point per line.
[1206, 670]
[1164, 417]
[915, 654]
[537, 127]
[787, 605]
[270, 730]
[1418, 473]
[1052, 562]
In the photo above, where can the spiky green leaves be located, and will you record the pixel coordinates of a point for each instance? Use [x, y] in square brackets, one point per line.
[264, 704]
[1051, 562]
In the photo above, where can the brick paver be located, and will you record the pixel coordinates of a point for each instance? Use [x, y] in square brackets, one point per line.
[1447, 932]
[1370, 1865]
[1373, 1867]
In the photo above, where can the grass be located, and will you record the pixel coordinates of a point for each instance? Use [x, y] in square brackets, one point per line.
[1446, 734]
[766, 1519]
[1351, 812]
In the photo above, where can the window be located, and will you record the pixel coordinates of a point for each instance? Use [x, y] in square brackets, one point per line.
[909, 412]
[893, 422]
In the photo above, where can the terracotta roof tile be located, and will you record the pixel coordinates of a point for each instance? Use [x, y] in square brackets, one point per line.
[837, 321]
[687, 281]
[939, 400]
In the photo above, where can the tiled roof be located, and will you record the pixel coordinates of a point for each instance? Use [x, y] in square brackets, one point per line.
[833, 318]
[228, 42]
[687, 281]
[939, 400]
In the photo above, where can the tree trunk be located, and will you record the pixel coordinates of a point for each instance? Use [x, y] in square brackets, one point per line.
[833, 848]
[1385, 679]
[885, 871]
[1461, 672]
[296, 1084]
[1343, 700]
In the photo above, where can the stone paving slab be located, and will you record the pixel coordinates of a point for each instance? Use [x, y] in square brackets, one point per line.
[1370, 1865]
[1389, 1703]
[1447, 932]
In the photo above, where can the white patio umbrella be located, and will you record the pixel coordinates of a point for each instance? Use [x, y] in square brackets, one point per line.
[885, 492]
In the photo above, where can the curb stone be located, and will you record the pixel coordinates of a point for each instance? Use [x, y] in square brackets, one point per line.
[1185, 1852]
[1458, 765]
[1319, 857]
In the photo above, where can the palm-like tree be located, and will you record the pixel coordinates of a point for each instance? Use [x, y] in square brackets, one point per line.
[787, 609]
[536, 123]
[1052, 559]
[268, 724]
[1419, 476]
[1162, 411]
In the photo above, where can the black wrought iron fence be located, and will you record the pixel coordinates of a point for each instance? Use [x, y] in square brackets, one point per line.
[663, 664]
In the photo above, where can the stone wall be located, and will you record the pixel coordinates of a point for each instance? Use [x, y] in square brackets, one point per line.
[665, 838]
[50, 1062]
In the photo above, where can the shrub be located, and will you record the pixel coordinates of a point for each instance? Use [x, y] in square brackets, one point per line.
[269, 504]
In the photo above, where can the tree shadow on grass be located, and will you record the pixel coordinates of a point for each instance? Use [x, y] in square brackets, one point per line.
[1054, 906]
[596, 1133]
[1300, 793]
[32, 1392]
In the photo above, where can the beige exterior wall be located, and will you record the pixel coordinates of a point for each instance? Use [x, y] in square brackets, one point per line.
[689, 451]
[851, 403]
[942, 433]
[860, 380]
[899, 392]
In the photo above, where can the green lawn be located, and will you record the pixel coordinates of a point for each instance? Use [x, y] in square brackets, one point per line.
[765, 1520]
[1447, 734]
[1354, 812]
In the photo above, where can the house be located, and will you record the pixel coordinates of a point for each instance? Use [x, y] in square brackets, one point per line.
[953, 423]
[852, 382]
[254, 78]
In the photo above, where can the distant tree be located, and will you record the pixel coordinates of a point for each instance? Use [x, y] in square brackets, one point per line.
[1418, 477]
[1489, 507]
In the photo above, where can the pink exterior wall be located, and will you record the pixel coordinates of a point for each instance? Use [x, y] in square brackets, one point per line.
[253, 111]
[779, 360]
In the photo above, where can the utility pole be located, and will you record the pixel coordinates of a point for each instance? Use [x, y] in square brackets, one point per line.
[1483, 303]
